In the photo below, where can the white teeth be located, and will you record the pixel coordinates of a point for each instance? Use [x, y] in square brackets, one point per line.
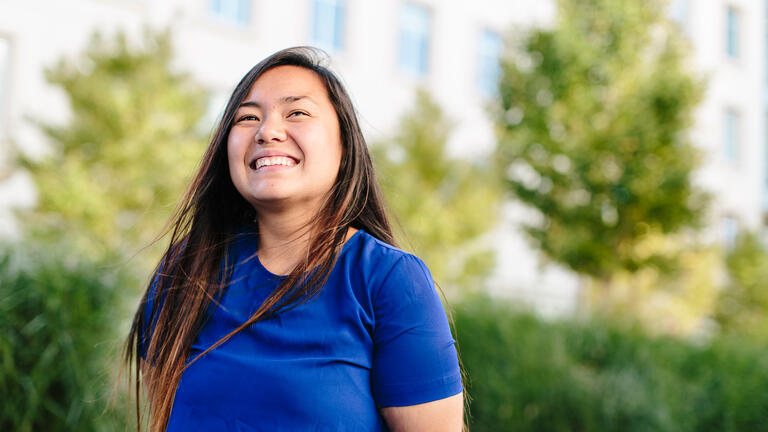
[274, 160]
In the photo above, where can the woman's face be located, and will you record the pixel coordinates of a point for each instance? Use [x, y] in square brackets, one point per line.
[284, 147]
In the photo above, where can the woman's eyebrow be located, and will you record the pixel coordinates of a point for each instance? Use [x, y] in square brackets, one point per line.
[283, 100]
[289, 99]
[250, 104]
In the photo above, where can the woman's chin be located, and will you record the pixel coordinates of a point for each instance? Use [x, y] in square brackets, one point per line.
[269, 199]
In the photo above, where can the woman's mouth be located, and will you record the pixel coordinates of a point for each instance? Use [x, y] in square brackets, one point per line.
[268, 161]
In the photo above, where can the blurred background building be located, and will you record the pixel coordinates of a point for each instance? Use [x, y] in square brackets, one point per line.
[384, 50]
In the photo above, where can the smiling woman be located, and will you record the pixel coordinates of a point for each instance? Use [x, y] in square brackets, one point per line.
[284, 147]
[282, 302]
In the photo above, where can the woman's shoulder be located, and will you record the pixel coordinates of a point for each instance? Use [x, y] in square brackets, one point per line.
[381, 262]
[380, 253]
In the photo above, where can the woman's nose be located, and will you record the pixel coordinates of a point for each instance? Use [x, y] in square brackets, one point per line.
[271, 129]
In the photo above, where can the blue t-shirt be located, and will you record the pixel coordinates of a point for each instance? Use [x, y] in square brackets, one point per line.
[375, 336]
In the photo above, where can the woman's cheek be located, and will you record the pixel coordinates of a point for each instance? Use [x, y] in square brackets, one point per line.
[236, 144]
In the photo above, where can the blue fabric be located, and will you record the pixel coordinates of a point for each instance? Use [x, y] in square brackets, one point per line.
[375, 336]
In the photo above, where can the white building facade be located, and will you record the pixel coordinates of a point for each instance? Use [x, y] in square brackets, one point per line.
[729, 51]
[384, 50]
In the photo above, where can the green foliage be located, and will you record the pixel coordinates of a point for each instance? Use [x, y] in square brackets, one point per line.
[592, 126]
[125, 154]
[443, 204]
[743, 304]
[675, 303]
[57, 328]
[530, 375]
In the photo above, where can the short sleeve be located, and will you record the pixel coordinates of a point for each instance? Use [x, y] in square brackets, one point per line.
[414, 358]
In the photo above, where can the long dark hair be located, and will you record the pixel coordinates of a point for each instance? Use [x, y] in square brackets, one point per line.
[202, 227]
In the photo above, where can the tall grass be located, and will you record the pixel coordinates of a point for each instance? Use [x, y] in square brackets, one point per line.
[530, 375]
[58, 321]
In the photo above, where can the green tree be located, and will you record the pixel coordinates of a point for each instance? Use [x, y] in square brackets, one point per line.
[126, 153]
[592, 120]
[743, 303]
[442, 204]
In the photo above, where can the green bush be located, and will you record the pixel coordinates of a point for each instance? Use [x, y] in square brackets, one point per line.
[743, 303]
[58, 320]
[526, 374]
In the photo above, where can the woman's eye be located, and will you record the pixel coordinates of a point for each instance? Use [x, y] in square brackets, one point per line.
[297, 113]
[248, 117]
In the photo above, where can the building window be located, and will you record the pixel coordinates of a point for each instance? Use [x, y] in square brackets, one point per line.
[328, 24]
[489, 69]
[732, 33]
[413, 41]
[731, 136]
[237, 12]
[5, 59]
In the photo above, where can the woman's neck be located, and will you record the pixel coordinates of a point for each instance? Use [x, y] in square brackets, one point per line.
[284, 239]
